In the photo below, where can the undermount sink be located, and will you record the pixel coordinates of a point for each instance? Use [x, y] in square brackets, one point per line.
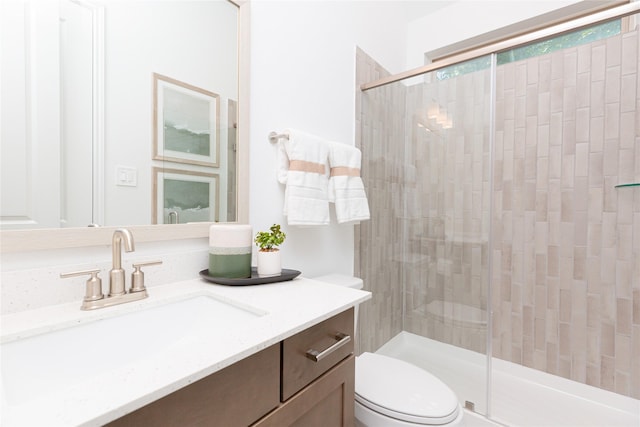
[39, 365]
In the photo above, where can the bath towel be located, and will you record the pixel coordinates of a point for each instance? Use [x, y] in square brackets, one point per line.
[346, 189]
[302, 167]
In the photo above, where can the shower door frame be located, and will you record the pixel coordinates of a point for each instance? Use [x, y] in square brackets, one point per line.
[616, 12]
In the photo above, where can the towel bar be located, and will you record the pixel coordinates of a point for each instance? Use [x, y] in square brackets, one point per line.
[274, 137]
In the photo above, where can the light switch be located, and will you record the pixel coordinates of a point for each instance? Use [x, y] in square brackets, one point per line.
[126, 176]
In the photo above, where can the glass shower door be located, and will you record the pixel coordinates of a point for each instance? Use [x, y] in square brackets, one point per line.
[448, 224]
[441, 214]
[565, 252]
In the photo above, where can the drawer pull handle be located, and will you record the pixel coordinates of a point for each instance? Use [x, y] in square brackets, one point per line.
[317, 356]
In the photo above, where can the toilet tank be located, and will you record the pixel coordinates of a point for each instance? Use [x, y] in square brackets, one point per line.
[341, 280]
[346, 281]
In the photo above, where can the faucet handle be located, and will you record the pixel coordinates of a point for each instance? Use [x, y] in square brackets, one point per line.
[137, 277]
[93, 290]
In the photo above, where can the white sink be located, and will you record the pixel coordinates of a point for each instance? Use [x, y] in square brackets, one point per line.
[37, 366]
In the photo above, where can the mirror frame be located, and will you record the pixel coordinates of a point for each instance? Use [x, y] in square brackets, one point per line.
[61, 238]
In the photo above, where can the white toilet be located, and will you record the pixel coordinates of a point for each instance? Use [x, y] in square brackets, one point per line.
[393, 393]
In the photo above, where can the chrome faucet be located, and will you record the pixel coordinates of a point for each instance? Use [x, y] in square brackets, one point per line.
[174, 214]
[117, 294]
[116, 275]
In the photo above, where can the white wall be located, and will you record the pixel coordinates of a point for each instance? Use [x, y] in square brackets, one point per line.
[302, 76]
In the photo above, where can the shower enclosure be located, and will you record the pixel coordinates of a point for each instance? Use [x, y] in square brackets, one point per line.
[505, 211]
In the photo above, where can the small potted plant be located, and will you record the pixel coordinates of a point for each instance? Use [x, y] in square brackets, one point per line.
[269, 263]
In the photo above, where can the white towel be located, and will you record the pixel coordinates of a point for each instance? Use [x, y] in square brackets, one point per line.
[302, 160]
[346, 188]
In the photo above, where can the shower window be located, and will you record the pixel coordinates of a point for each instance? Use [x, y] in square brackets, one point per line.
[572, 39]
[471, 66]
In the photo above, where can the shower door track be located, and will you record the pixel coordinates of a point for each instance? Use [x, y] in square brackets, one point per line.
[564, 27]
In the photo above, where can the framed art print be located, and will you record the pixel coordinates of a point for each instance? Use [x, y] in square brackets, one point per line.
[186, 123]
[181, 196]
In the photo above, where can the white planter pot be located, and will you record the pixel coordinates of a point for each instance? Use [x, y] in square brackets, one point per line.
[269, 263]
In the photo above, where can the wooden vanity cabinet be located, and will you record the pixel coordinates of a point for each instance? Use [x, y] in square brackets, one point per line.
[317, 393]
[234, 396]
[279, 386]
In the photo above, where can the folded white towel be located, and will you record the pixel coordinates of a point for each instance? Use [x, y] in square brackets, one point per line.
[302, 160]
[346, 188]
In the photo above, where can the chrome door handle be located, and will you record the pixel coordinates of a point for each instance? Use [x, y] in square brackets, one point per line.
[317, 356]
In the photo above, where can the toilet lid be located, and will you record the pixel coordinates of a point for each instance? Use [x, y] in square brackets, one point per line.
[403, 391]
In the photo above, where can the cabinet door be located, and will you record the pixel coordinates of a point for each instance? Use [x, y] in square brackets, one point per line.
[235, 396]
[328, 401]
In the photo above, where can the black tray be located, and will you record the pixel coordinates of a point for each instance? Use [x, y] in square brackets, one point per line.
[253, 280]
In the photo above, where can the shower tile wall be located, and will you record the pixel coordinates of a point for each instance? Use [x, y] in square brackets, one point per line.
[381, 139]
[566, 251]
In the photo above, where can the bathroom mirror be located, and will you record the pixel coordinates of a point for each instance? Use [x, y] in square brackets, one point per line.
[78, 113]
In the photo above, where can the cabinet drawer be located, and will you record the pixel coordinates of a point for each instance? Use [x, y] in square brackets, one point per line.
[334, 335]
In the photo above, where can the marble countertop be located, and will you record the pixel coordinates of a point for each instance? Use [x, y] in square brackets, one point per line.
[283, 309]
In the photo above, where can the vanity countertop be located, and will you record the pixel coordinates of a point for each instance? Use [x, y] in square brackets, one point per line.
[284, 309]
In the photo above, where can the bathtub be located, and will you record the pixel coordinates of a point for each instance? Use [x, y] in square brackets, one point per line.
[520, 396]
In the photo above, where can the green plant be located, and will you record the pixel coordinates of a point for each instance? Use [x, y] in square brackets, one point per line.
[267, 240]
